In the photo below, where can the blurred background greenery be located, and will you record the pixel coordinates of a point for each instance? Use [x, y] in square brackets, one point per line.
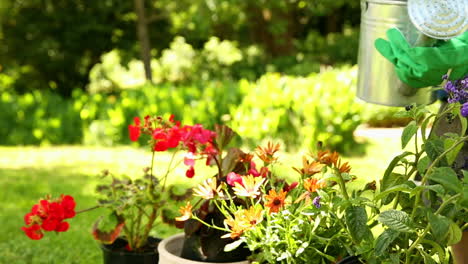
[77, 72]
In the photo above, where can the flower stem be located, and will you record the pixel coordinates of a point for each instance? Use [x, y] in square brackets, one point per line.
[426, 230]
[88, 209]
[168, 170]
[342, 185]
[431, 167]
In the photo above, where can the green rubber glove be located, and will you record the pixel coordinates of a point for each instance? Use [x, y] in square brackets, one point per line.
[424, 66]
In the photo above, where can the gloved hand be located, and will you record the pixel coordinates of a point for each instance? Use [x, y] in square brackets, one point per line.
[424, 66]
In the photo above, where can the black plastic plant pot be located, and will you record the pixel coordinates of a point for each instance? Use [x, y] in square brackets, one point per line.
[350, 260]
[116, 253]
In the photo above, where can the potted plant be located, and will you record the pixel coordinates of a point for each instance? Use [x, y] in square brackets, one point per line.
[131, 204]
[201, 243]
[423, 195]
[314, 220]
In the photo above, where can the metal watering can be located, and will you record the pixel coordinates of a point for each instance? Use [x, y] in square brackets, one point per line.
[420, 21]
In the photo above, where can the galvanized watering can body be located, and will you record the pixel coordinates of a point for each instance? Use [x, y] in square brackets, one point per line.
[377, 79]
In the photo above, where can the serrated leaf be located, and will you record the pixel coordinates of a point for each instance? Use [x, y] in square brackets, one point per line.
[408, 132]
[447, 177]
[423, 164]
[397, 220]
[452, 155]
[454, 235]
[384, 241]
[439, 226]
[231, 246]
[356, 221]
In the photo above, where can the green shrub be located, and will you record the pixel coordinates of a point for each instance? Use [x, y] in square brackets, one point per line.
[38, 118]
[298, 110]
[301, 111]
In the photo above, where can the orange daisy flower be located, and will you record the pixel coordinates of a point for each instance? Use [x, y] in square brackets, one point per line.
[275, 201]
[186, 212]
[237, 225]
[309, 168]
[312, 184]
[327, 157]
[267, 153]
[343, 168]
[243, 220]
[250, 188]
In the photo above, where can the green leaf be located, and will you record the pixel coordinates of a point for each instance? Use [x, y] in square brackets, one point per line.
[465, 176]
[434, 148]
[396, 188]
[439, 226]
[391, 179]
[447, 177]
[233, 245]
[356, 221]
[439, 189]
[454, 234]
[388, 178]
[423, 164]
[384, 241]
[464, 123]
[424, 125]
[397, 220]
[408, 133]
[427, 258]
[452, 155]
[464, 199]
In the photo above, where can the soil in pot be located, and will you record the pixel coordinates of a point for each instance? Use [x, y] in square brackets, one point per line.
[206, 245]
[117, 253]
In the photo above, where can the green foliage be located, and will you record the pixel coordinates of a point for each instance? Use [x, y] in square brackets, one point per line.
[36, 118]
[425, 218]
[300, 111]
[52, 45]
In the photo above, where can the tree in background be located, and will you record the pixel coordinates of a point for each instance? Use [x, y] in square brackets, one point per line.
[52, 44]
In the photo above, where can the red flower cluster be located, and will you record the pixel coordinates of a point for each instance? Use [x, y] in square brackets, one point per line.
[170, 134]
[48, 215]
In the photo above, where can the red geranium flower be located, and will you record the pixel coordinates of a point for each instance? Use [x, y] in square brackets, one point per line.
[48, 216]
[33, 232]
[134, 130]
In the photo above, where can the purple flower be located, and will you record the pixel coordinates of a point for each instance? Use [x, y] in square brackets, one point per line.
[316, 202]
[464, 110]
[457, 90]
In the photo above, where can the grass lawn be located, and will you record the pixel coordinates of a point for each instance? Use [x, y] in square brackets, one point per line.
[28, 173]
